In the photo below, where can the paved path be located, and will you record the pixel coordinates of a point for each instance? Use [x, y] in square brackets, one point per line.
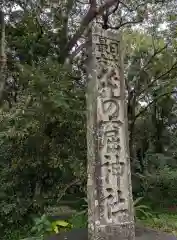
[141, 234]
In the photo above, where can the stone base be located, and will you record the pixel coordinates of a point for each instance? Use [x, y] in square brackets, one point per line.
[142, 233]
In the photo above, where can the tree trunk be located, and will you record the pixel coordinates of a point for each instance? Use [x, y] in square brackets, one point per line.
[110, 205]
[2, 54]
[131, 127]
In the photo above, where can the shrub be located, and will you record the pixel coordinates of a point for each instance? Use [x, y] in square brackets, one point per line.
[163, 183]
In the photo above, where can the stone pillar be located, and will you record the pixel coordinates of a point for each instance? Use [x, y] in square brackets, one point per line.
[110, 205]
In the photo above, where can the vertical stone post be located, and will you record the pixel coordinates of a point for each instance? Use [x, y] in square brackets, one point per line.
[110, 205]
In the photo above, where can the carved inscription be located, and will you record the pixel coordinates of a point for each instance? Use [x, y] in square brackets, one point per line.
[112, 166]
[109, 188]
[109, 84]
[106, 50]
[119, 232]
[115, 232]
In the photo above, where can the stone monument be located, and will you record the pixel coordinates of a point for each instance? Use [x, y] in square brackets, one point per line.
[110, 205]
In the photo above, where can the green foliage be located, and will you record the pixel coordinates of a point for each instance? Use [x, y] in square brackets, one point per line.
[141, 210]
[17, 232]
[36, 147]
[163, 222]
[162, 184]
[43, 227]
[79, 220]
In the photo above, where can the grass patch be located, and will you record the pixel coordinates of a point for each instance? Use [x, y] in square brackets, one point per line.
[162, 221]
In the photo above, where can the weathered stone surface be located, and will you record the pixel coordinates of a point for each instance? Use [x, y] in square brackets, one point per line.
[141, 234]
[109, 181]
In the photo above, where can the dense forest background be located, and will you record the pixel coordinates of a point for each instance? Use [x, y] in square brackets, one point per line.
[43, 151]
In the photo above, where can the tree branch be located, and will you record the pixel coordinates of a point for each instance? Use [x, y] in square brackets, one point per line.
[74, 54]
[123, 24]
[154, 55]
[156, 52]
[86, 3]
[75, 181]
[127, 85]
[124, 5]
[148, 62]
[2, 40]
[131, 9]
[93, 4]
[91, 14]
[3, 59]
[115, 9]
[154, 100]
[174, 66]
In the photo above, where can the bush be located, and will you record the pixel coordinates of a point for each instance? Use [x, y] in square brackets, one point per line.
[163, 183]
